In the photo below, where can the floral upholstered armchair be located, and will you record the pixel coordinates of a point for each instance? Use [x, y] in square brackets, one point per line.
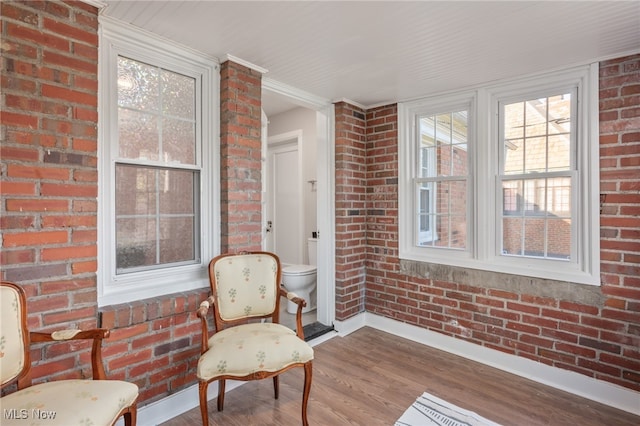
[246, 294]
[94, 402]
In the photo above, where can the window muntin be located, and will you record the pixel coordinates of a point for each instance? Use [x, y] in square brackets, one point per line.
[511, 193]
[442, 180]
[157, 220]
[158, 149]
[536, 173]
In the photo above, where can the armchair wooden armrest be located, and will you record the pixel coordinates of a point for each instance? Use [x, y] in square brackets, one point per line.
[96, 334]
[301, 304]
[202, 314]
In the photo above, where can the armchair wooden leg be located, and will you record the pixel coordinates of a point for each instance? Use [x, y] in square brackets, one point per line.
[130, 417]
[276, 386]
[308, 375]
[221, 385]
[202, 388]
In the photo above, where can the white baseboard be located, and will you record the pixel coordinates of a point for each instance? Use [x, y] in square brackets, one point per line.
[350, 325]
[569, 381]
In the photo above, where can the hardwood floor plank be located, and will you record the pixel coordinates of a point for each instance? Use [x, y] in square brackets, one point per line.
[370, 378]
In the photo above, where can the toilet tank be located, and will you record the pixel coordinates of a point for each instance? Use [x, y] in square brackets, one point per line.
[312, 245]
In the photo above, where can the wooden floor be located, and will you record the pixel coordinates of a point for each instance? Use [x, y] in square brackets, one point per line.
[370, 378]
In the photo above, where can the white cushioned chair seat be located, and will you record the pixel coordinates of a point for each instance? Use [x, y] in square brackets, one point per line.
[250, 348]
[72, 402]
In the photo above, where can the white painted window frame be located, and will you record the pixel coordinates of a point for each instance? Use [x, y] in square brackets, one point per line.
[117, 38]
[484, 233]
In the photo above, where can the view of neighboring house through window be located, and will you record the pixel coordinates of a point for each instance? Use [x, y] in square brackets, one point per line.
[537, 176]
[157, 175]
[504, 177]
[443, 180]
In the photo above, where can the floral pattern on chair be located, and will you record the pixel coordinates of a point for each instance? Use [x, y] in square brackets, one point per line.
[245, 289]
[94, 402]
[258, 298]
[70, 402]
[251, 348]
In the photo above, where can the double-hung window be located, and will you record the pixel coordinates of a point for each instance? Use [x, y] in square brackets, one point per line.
[504, 177]
[157, 162]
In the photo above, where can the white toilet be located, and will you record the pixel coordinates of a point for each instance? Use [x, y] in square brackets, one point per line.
[301, 279]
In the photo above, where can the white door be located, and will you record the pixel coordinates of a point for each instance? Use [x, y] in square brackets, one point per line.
[284, 219]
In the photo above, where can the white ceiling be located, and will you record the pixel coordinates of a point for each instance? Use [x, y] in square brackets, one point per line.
[374, 52]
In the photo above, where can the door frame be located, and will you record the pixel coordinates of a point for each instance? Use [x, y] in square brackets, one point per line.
[325, 133]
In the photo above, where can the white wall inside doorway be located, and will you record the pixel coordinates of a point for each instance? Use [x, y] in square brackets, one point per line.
[284, 209]
[284, 127]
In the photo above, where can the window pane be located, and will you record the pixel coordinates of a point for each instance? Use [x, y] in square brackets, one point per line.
[135, 191]
[559, 238]
[156, 219]
[138, 136]
[443, 145]
[138, 85]
[178, 95]
[458, 213]
[156, 114]
[514, 156]
[176, 237]
[179, 138]
[560, 114]
[451, 222]
[534, 196]
[559, 153]
[512, 197]
[534, 237]
[512, 235]
[177, 191]
[442, 214]
[537, 208]
[535, 156]
[135, 242]
[546, 126]
[426, 213]
[559, 196]
[514, 117]
[535, 119]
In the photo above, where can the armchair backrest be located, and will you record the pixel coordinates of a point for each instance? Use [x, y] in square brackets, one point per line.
[14, 337]
[245, 285]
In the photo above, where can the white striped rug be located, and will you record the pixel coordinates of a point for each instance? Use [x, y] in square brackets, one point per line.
[429, 410]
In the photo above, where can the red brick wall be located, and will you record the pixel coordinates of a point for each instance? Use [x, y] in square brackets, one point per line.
[49, 168]
[49, 211]
[351, 213]
[240, 148]
[598, 339]
[48, 220]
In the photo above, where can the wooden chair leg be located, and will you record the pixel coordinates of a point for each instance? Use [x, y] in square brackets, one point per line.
[130, 417]
[221, 385]
[276, 386]
[308, 375]
[204, 412]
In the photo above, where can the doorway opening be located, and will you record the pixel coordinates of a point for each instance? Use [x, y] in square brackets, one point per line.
[277, 100]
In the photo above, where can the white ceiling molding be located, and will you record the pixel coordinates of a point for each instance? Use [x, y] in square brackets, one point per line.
[100, 5]
[350, 102]
[247, 64]
[297, 96]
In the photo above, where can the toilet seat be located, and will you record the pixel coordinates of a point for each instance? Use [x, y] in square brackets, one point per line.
[299, 270]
